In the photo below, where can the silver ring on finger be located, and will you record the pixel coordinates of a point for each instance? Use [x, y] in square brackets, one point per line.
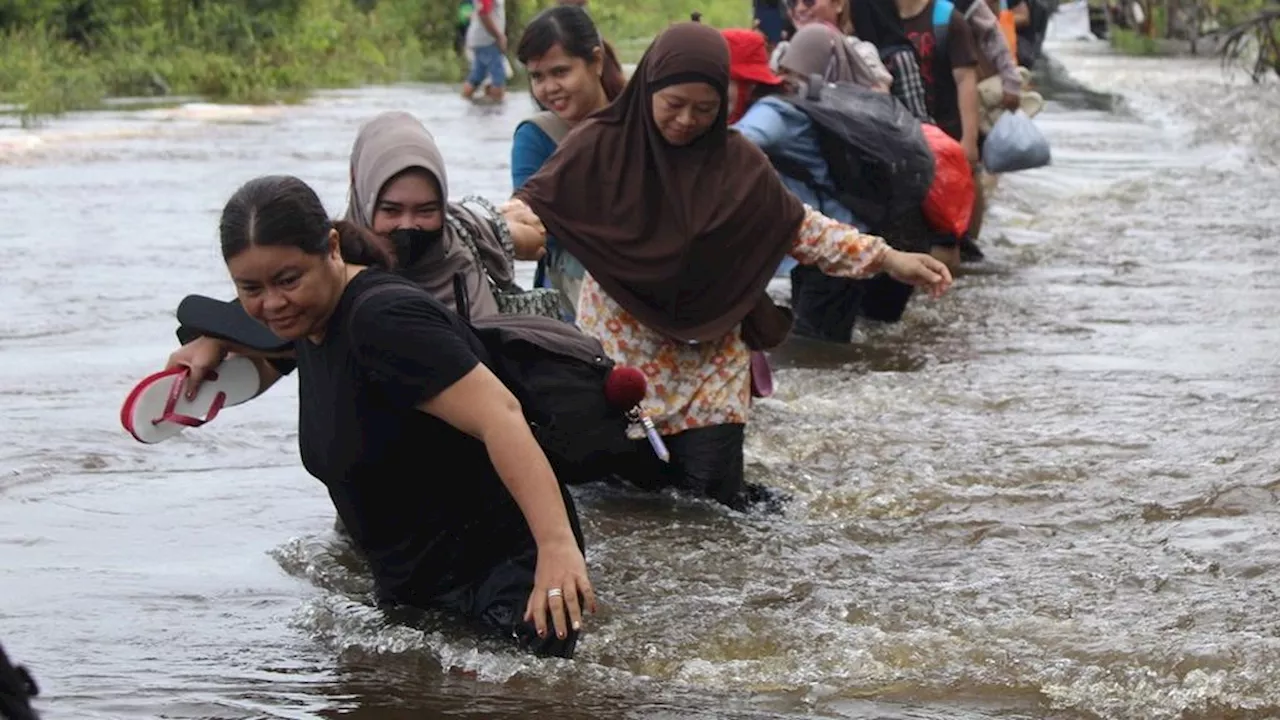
[555, 592]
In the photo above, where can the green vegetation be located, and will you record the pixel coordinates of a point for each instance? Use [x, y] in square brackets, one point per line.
[60, 55]
[1133, 43]
[1146, 31]
[1255, 44]
[629, 26]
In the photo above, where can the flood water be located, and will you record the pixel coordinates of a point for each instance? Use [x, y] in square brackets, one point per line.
[1051, 494]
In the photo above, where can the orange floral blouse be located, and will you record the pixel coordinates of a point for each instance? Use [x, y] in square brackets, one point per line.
[699, 385]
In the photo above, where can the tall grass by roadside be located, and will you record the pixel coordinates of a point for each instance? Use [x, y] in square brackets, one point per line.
[61, 55]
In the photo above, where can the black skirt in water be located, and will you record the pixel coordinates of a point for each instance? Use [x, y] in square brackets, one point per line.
[826, 308]
[493, 605]
[705, 462]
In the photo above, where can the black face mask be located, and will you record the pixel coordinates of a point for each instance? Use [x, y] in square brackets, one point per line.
[415, 247]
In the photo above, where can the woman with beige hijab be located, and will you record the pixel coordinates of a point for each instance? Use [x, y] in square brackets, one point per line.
[461, 252]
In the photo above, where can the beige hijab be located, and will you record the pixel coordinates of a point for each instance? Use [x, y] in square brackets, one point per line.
[393, 142]
[820, 49]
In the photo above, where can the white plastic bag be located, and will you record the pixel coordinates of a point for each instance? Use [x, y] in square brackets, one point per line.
[1015, 143]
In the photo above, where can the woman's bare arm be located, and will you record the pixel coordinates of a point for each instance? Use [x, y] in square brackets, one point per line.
[481, 406]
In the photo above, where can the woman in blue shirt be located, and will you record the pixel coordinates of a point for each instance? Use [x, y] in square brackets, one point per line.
[572, 73]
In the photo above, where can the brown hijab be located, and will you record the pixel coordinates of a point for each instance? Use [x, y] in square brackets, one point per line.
[684, 238]
[391, 143]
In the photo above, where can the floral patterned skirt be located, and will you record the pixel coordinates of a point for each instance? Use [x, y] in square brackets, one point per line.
[690, 385]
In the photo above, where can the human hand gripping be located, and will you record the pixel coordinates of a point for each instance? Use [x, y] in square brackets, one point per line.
[558, 582]
[918, 270]
[528, 234]
[516, 210]
[200, 356]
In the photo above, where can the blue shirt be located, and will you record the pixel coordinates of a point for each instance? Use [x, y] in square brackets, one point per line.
[530, 149]
[784, 131]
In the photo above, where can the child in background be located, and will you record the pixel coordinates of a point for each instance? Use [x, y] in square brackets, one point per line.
[487, 41]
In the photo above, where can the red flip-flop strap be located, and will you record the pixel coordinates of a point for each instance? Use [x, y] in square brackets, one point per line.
[175, 394]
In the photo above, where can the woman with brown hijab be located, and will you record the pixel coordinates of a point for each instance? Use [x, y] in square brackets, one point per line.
[680, 224]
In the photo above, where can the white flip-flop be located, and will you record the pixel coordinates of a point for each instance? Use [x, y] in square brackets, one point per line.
[157, 408]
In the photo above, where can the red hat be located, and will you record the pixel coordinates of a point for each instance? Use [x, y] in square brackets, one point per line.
[748, 57]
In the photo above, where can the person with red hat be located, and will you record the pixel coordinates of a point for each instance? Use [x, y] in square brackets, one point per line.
[825, 308]
[749, 73]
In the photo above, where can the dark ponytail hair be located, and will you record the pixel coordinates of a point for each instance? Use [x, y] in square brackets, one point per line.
[361, 246]
[570, 27]
[283, 211]
[612, 79]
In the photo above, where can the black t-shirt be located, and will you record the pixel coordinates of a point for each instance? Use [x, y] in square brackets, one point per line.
[940, 84]
[420, 498]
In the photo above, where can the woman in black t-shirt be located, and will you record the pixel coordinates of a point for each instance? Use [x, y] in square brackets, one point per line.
[426, 455]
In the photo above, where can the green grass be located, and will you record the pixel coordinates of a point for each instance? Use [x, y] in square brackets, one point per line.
[1133, 43]
[630, 25]
[223, 52]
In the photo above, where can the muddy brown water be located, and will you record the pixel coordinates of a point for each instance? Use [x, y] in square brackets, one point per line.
[1051, 494]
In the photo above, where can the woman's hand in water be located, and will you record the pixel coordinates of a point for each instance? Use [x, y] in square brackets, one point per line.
[199, 356]
[561, 568]
[918, 270]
